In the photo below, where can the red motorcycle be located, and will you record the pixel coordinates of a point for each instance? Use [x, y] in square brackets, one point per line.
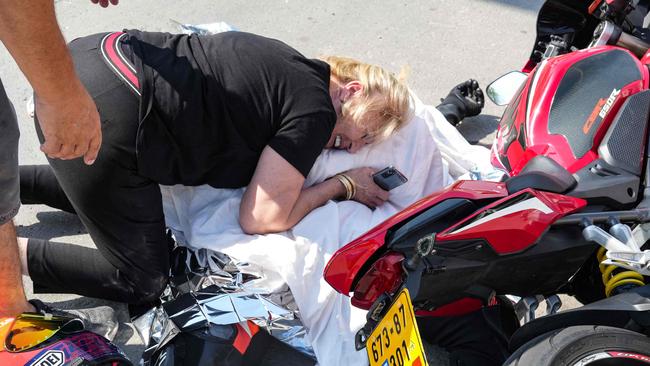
[568, 220]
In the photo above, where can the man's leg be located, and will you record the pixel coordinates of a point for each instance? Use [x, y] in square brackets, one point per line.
[12, 301]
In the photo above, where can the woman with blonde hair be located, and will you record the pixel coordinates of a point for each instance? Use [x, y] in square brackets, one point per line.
[228, 110]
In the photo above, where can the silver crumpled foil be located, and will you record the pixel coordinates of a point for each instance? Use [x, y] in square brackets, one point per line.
[209, 289]
[204, 29]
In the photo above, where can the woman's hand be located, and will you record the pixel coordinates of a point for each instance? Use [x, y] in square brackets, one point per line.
[367, 192]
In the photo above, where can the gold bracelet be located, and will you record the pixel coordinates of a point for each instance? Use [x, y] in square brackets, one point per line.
[346, 185]
[353, 187]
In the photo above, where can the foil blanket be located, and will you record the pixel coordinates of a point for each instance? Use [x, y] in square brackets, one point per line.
[209, 290]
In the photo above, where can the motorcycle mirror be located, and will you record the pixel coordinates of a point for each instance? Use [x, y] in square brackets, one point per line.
[501, 90]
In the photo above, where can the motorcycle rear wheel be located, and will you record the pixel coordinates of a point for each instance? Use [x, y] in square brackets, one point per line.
[584, 346]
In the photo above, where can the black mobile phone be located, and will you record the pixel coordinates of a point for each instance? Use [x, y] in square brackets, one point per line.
[389, 178]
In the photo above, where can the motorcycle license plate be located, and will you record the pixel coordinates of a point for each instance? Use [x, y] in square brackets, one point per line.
[396, 339]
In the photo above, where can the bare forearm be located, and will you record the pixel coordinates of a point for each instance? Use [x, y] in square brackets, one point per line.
[269, 217]
[274, 200]
[31, 33]
[314, 197]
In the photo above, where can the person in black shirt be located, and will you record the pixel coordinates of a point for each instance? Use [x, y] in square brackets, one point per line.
[229, 110]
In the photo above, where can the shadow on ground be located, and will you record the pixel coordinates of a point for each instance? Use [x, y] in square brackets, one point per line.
[529, 5]
[52, 224]
[479, 130]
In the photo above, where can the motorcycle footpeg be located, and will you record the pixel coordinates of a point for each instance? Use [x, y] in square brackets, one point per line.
[525, 308]
[553, 304]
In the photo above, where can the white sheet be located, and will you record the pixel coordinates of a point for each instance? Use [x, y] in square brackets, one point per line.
[428, 150]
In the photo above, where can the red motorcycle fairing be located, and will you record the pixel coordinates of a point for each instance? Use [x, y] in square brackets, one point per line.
[566, 106]
[646, 58]
[345, 264]
[499, 223]
[513, 223]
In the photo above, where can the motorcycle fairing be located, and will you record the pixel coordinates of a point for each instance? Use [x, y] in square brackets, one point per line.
[547, 117]
[344, 266]
[464, 249]
[562, 17]
[623, 145]
[514, 223]
[510, 142]
[602, 184]
[584, 92]
[614, 179]
[472, 269]
[478, 257]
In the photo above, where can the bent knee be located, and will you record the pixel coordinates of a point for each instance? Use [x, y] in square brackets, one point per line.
[148, 288]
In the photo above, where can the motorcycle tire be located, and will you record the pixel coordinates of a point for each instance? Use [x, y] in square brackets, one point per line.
[584, 346]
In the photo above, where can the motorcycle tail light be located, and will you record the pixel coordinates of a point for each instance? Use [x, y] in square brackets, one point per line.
[385, 276]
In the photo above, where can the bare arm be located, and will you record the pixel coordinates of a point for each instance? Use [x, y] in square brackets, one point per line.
[275, 201]
[67, 114]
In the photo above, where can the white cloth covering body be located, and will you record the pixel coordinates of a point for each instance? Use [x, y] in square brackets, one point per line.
[428, 150]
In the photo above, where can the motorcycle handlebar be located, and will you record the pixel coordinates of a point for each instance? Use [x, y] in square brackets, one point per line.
[632, 43]
[608, 33]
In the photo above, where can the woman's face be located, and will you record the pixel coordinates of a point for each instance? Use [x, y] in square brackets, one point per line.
[350, 136]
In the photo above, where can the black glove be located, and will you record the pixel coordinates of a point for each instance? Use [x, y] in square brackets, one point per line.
[465, 100]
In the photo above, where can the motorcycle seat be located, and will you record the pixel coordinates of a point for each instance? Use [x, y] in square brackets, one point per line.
[544, 174]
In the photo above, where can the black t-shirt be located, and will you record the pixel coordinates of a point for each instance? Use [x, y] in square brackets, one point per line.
[210, 104]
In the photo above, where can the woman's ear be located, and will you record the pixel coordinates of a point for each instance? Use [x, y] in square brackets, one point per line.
[350, 89]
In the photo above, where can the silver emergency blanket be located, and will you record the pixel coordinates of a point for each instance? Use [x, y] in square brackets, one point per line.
[208, 290]
[204, 29]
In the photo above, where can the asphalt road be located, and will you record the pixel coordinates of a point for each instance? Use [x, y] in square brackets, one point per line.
[442, 42]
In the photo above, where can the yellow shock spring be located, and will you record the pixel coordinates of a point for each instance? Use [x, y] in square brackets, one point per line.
[613, 280]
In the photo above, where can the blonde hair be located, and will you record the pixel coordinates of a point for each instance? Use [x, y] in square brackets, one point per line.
[384, 94]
